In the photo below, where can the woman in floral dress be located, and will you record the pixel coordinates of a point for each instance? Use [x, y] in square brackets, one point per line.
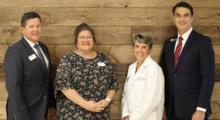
[85, 83]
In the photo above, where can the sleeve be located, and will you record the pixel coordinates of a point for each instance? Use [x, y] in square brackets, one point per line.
[113, 85]
[64, 76]
[124, 105]
[162, 63]
[51, 100]
[14, 78]
[152, 97]
[207, 71]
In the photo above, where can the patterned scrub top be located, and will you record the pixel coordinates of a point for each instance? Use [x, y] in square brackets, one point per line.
[91, 78]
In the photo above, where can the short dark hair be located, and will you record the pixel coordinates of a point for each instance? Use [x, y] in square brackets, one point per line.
[83, 27]
[29, 15]
[183, 4]
[144, 39]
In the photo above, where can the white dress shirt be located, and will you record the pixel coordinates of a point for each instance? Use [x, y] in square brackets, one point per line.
[185, 36]
[143, 96]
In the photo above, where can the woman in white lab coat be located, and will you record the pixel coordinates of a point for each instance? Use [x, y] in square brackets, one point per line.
[143, 96]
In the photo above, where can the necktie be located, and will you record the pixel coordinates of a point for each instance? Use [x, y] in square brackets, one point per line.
[177, 51]
[40, 55]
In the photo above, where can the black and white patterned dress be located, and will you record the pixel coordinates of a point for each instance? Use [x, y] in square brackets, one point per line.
[91, 78]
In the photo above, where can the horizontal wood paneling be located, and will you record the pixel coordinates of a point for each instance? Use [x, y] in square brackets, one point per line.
[64, 35]
[108, 16]
[170, 3]
[63, 3]
[104, 3]
[106, 35]
[115, 22]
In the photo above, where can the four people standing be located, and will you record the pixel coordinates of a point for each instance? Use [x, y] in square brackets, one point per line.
[189, 67]
[85, 83]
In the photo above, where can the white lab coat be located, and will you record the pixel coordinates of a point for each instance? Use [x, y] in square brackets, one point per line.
[143, 96]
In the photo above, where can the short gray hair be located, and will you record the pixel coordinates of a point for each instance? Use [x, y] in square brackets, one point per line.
[143, 39]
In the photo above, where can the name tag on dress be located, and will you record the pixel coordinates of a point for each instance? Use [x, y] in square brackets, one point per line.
[32, 57]
[101, 64]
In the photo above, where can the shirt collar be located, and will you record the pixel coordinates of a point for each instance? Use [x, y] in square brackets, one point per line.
[186, 34]
[31, 43]
[147, 61]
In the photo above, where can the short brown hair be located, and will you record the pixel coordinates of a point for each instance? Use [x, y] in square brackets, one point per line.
[29, 15]
[184, 5]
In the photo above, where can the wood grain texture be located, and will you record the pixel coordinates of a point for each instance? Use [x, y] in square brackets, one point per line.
[108, 16]
[63, 35]
[104, 3]
[2, 110]
[115, 22]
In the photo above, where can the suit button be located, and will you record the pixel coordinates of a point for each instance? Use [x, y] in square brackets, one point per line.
[174, 75]
[44, 97]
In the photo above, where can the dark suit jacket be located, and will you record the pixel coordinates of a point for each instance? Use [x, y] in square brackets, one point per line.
[191, 83]
[28, 83]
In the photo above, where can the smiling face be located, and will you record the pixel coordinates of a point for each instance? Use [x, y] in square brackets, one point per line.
[141, 51]
[32, 29]
[85, 41]
[182, 19]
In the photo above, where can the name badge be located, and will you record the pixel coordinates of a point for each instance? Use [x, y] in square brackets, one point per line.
[32, 57]
[101, 64]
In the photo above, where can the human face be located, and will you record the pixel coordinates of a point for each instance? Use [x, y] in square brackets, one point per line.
[85, 41]
[183, 19]
[32, 29]
[141, 51]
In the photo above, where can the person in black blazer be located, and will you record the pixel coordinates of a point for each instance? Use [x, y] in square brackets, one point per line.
[30, 90]
[189, 67]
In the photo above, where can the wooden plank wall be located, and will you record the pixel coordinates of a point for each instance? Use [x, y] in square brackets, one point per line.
[115, 22]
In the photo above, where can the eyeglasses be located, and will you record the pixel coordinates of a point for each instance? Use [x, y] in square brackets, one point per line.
[85, 37]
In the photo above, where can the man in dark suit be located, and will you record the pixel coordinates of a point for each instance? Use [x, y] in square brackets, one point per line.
[189, 68]
[27, 65]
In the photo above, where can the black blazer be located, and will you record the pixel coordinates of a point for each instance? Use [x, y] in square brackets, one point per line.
[28, 83]
[191, 83]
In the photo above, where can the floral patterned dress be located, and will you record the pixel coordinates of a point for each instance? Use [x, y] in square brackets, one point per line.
[91, 78]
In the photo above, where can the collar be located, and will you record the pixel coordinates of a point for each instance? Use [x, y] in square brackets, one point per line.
[31, 43]
[146, 61]
[185, 36]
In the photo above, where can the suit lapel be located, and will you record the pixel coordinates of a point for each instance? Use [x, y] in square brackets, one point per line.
[171, 52]
[30, 52]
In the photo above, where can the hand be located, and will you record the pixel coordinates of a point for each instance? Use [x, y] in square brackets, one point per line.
[103, 103]
[93, 106]
[126, 118]
[164, 116]
[51, 114]
[198, 115]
